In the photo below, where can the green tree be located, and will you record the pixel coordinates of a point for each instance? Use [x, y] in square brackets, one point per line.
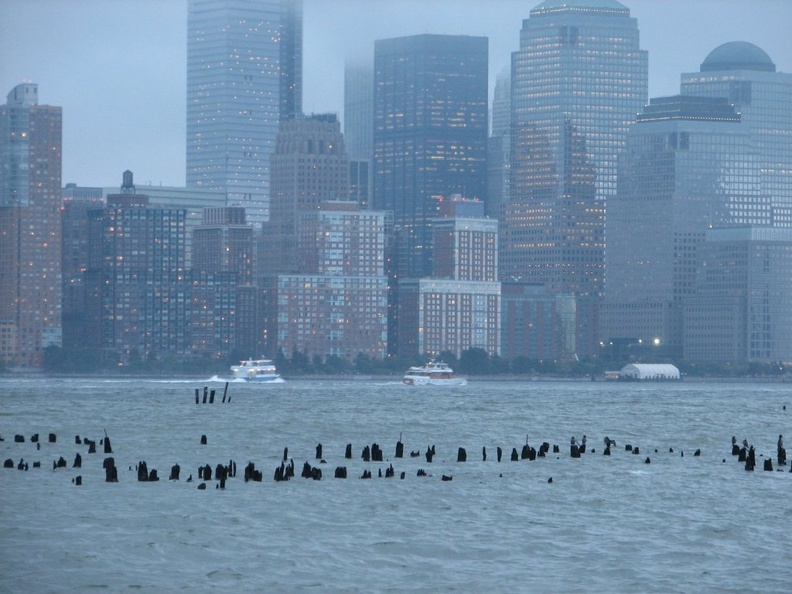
[474, 361]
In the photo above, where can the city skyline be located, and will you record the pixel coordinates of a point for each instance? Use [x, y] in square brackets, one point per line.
[113, 98]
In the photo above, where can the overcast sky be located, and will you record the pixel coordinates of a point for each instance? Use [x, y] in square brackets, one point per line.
[118, 67]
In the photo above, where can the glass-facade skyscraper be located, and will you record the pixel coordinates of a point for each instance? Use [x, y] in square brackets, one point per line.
[244, 75]
[359, 110]
[689, 166]
[359, 129]
[741, 311]
[745, 75]
[430, 135]
[498, 148]
[577, 82]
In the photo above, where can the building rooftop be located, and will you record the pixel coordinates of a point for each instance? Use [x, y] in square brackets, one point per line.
[580, 6]
[738, 55]
[687, 107]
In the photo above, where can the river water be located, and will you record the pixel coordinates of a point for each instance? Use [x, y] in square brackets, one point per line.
[681, 523]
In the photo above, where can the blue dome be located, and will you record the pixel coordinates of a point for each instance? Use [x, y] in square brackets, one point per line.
[737, 55]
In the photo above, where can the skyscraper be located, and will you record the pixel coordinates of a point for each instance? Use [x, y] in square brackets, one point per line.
[430, 134]
[745, 75]
[309, 167]
[136, 277]
[459, 308]
[359, 110]
[222, 284]
[499, 148]
[359, 129]
[689, 166]
[244, 76]
[337, 304]
[577, 81]
[30, 227]
[741, 311]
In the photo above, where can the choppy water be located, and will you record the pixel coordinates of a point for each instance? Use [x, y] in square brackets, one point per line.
[605, 524]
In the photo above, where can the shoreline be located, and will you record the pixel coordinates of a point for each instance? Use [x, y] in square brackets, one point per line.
[397, 378]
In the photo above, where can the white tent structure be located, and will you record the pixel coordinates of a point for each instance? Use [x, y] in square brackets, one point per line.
[649, 372]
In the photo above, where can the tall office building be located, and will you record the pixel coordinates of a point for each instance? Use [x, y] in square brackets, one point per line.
[577, 81]
[741, 311]
[499, 149]
[535, 324]
[78, 201]
[244, 76]
[689, 166]
[430, 134]
[30, 227]
[745, 75]
[359, 110]
[309, 167]
[359, 130]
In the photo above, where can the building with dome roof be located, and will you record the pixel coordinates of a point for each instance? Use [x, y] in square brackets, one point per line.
[746, 76]
[740, 311]
[738, 55]
[699, 235]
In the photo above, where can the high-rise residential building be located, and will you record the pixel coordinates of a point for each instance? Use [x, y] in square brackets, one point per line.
[689, 166]
[465, 242]
[222, 268]
[136, 280]
[193, 200]
[577, 82]
[224, 243]
[741, 311]
[437, 315]
[459, 308]
[430, 135]
[309, 166]
[745, 75]
[337, 304]
[30, 227]
[244, 76]
[499, 148]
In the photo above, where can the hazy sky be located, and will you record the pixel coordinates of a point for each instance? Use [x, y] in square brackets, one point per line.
[118, 67]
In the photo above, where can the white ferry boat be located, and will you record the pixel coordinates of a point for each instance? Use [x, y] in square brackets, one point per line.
[434, 373]
[256, 370]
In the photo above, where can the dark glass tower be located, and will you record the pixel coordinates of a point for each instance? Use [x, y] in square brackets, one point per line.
[430, 134]
[244, 75]
[578, 80]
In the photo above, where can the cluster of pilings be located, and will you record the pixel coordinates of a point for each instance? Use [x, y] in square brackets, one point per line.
[746, 454]
[370, 453]
[209, 395]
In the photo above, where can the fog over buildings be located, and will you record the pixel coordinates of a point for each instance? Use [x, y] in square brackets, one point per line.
[566, 179]
[119, 68]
